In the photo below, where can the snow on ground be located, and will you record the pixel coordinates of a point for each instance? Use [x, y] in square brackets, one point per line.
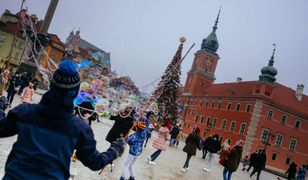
[169, 163]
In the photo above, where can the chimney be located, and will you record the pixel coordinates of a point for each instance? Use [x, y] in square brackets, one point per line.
[299, 92]
[238, 79]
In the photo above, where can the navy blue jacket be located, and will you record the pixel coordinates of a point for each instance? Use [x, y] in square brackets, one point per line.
[48, 133]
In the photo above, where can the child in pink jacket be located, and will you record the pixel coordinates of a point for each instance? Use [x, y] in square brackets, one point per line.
[27, 93]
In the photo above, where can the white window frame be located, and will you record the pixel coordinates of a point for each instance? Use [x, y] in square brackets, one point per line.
[244, 128]
[284, 115]
[223, 126]
[248, 105]
[276, 142]
[232, 122]
[215, 119]
[291, 144]
[268, 112]
[300, 123]
[238, 104]
[267, 136]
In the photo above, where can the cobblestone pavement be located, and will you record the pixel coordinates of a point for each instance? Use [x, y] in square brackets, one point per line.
[168, 166]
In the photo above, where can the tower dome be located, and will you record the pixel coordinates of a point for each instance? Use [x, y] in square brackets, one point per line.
[269, 72]
[211, 43]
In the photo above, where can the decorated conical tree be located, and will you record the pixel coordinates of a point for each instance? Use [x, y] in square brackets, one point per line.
[167, 91]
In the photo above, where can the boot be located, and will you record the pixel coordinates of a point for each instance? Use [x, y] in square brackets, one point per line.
[131, 178]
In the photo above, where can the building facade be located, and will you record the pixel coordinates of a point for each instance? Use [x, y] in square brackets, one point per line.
[11, 48]
[264, 113]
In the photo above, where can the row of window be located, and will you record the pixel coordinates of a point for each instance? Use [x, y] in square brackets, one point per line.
[228, 107]
[283, 119]
[275, 157]
[213, 124]
[219, 104]
[279, 138]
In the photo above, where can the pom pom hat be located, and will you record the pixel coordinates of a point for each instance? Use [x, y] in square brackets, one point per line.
[141, 125]
[66, 78]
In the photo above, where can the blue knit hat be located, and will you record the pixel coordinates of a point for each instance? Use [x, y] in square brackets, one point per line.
[66, 78]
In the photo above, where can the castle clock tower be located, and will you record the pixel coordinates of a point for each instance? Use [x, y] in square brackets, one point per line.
[202, 72]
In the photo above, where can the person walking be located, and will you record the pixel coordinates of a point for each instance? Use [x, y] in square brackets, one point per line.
[301, 174]
[179, 137]
[224, 148]
[259, 164]
[192, 143]
[252, 159]
[174, 133]
[27, 94]
[291, 172]
[25, 79]
[204, 147]
[13, 88]
[135, 142]
[213, 146]
[246, 162]
[48, 133]
[233, 159]
[160, 143]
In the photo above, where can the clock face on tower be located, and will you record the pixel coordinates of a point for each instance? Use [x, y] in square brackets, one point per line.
[208, 63]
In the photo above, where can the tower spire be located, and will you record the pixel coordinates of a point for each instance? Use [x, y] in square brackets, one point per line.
[216, 22]
[271, 61]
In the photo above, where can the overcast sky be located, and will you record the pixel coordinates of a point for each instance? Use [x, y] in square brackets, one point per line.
[142, 35]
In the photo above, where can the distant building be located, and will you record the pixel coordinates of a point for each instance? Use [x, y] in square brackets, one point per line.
[8, 27]
[80, 49]
[264, 113]
[55, 51]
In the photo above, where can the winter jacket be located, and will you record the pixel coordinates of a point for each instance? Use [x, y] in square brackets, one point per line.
[174, 132]
[160, 141]
[135, 141]
[48, 133]
[253, 158]
[212, 145]
[291, 171]
[120, 127]
[301, 174]
[192, 143]
[234, 158]
[260, 161]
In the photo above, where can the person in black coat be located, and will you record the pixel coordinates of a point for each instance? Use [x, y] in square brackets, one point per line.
[192, 143]
[260, 164]
[123, 123]
[252, 159]
[213, 146]
[174, 133]
[291, 172]
[13, 87]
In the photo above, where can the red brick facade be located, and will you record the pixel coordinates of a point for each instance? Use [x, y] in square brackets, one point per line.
[254, 111]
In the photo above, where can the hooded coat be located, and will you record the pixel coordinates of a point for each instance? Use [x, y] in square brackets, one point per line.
[234, 158]
[160, 141]
[192, 143]
[48, 133]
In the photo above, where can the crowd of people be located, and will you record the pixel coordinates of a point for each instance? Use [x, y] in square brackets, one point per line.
[54, 124]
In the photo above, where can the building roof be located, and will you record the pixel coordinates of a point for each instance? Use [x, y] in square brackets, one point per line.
[282, 96]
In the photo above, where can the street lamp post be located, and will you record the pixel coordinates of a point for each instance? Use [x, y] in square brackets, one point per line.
[266, 142]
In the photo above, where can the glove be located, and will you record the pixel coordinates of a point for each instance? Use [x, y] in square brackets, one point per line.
[118, 146]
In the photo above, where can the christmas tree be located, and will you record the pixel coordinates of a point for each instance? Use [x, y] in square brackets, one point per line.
[167, 90]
